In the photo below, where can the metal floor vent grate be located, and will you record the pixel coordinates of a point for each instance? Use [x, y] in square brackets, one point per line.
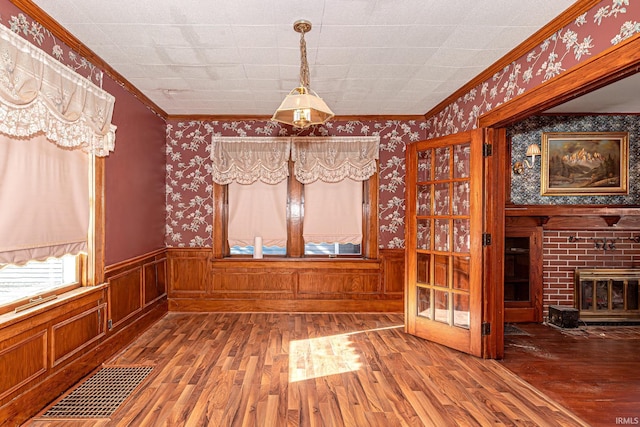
[101, 394]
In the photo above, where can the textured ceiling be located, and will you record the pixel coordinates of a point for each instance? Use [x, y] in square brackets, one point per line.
[241, 57]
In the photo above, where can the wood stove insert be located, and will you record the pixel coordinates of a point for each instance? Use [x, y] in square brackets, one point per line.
[608, 294]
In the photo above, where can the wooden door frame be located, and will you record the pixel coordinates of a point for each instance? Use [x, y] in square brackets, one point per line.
[495, 167]
[528, 311]
[613, 64]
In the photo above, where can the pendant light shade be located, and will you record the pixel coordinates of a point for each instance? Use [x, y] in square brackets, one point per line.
[303, 107]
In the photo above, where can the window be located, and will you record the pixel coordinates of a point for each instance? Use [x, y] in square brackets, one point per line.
[46, 229]
[323, 201]
[332, 218]
[49, 174]
[257, 210]
[38, 278]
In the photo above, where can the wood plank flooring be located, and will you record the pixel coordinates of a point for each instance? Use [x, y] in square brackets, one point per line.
[266, 369]
[594, 370]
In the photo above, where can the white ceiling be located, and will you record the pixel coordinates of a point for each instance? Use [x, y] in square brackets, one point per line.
[622, 96]
[241, 57]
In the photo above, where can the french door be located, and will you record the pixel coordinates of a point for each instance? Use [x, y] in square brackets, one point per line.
[444, 231]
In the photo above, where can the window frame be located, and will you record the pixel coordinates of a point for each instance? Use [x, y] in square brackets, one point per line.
[295, 219]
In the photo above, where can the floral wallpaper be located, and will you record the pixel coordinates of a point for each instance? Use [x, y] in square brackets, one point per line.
[525, 188]
[189, 185]
[34, 32]
[606, 24]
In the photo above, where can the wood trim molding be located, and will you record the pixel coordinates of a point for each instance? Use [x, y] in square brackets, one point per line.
[570, 210]
[230, 117]
[97, 233]
[158, 255]
[565, 18]
[28, 7]
[611, 65]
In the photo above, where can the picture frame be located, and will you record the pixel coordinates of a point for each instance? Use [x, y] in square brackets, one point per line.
[584, 163]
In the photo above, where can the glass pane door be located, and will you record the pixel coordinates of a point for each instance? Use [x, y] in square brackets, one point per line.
[444, 230]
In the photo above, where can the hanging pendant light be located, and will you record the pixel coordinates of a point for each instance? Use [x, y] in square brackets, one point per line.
[303, 107]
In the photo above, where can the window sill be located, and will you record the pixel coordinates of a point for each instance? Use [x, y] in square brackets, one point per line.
[297, 263]
[10, 318]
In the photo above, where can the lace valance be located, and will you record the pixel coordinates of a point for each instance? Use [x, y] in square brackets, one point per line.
[332, 159]
[38, 94]
[246, 160]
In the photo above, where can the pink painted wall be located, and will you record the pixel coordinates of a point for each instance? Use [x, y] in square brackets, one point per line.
[135, 172]
[135, 180]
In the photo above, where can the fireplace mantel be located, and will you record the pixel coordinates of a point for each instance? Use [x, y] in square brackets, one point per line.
[575, 216]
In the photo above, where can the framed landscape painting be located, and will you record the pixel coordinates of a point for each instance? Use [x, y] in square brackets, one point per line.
[584, 163]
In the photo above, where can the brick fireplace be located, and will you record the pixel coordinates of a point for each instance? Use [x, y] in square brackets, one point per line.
[565, 251]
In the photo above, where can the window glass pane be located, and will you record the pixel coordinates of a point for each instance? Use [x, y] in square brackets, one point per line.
[461, 235]
[332, 249]
[461, 272]
[422, 266]
[441, 305]
[266, 250]
[441, 237]
[462, 160]
[441, 271]
[461, 198]
[423, 238]
[424, 302]
[442, 171]
[423, 204]
[424, 165]
[36, 277]
[461, 311]
[441, 200]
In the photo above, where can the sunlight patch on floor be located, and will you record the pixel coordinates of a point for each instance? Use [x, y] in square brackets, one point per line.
[322, 356]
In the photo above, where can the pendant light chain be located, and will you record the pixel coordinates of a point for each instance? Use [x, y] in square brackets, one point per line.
[303, 107]
[304, 65]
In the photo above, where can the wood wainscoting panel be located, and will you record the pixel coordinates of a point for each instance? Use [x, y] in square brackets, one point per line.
[155, 280]
[22, 361]
[254, 281]
[189, 272]
[359, 284]
[72, 335]
[125, 295]
[200, 282]
[393, 270]
[47, 349]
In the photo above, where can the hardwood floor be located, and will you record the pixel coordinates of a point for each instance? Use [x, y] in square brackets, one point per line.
[264, 369]
[594, 371]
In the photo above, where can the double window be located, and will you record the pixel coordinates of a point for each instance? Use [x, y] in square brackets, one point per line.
[295, 197]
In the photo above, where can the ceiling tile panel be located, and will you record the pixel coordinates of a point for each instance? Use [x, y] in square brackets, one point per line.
[241, 56]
